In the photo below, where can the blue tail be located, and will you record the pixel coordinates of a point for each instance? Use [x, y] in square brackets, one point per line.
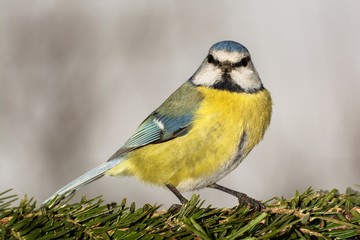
[85, 179]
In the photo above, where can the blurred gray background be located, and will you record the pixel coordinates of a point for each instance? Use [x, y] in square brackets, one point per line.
[77, 77]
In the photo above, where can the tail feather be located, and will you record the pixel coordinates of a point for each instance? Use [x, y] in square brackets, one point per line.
[85, 179]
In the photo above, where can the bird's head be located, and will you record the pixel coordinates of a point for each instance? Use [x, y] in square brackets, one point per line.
[228, 66]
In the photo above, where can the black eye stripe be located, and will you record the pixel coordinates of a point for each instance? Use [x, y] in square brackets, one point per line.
[243, 63]
[211, 59]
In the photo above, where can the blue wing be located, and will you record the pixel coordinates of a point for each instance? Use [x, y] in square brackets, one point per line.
[157, 128]
[171, 120]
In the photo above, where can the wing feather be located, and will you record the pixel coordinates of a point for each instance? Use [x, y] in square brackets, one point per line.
[171, 120]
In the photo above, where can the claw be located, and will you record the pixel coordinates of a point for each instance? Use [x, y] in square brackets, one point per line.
[175, 208]
[244, 199]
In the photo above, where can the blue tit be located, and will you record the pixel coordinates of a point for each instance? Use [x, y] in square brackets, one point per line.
[200, 134]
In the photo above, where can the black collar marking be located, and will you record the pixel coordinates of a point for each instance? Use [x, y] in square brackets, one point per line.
[226, 83]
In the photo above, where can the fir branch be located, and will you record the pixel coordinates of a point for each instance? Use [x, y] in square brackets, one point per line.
[319, 215]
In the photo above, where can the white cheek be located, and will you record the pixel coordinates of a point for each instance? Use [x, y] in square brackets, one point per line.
[246, 78]
[207, 75]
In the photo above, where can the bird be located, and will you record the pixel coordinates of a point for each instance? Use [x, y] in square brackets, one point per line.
[199, 134]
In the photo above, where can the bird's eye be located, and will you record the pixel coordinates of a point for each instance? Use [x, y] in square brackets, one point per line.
[243, 63]
[210, 58]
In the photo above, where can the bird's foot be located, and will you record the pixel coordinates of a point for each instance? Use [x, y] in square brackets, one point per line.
[175, 208]
[242, 197]
[246, 200]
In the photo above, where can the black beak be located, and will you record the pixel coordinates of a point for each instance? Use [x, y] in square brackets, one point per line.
[226, 67]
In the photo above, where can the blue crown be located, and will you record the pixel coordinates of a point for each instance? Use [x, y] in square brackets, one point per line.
[228, 46]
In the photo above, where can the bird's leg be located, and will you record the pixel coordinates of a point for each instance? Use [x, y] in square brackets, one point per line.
[182, 199]
[242, 197]
[175, 208]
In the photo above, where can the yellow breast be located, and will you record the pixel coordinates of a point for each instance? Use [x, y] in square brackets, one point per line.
[212, 142]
